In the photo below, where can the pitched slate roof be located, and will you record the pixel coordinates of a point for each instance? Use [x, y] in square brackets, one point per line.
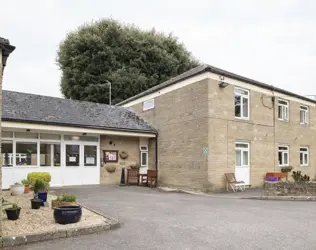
[208, 68]
[23, 107]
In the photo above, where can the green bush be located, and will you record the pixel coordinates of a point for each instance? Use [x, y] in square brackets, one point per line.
[43, 176]
[40, 186]
[67, 198]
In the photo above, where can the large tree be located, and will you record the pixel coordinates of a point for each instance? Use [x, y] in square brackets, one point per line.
[133, 60]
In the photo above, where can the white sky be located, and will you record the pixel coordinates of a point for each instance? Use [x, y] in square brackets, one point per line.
[270, 41]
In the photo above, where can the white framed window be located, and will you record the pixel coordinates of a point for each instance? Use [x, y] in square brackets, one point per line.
[283, 152]
[241, 103]
[149, 104]
[283, 110]
[242, 154]
[143, 156]
[304, 156]
[303, 114]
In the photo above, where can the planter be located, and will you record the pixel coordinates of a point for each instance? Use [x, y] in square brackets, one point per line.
[17, 190]
[42, 196]
[26, 189]
[68, 214]
[13, 213]
[123, 155]
[36, 203]
[56, 203]
[110, 168]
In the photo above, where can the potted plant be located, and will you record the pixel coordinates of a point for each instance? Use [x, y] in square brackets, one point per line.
[110, 168]
[17, 189]
[36, 203]
[123, 155]
[40, 190]
[26, 184]
[67, 214]
[13, 213]
[64, 200]
[286, 170]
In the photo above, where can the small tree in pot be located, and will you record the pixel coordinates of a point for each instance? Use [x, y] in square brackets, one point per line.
[26, 184]
[40, 190]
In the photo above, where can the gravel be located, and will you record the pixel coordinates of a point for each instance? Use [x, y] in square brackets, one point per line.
[34, 221]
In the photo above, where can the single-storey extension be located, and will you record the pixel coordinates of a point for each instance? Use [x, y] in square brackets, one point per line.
[72, 140]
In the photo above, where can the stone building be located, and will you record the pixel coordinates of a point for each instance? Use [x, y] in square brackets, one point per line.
[212, 122]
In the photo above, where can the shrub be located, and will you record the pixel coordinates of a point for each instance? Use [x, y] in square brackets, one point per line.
[40, 186]
[43, 176]
[286, 169]
[25, 182]
[297, 176]
[67, 198]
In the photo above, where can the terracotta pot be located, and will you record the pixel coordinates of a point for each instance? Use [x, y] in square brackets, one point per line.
[26, 189]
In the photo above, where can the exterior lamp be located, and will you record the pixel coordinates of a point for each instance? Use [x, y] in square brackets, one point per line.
[223, 85]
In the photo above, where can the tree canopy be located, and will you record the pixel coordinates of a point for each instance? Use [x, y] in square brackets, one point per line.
[131, 59]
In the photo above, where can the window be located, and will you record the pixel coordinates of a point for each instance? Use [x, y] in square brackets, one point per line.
[81, 138]
[241, 103]
[7, 153]
[283, 155]
[49, 154]
[304, 156]
[72, 155]
[143, 156]
[26, 135]
[283, 110]
[26, 153]
[304, 115]
[149, 104]
[7, 134]
[242, 154]
[90, 155]
[50, 137]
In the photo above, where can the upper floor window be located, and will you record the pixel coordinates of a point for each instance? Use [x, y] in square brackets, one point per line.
[149, 104]
[283, 109]
[241, 103]
[304, 114]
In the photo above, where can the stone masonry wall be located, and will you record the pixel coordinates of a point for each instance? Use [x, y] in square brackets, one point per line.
[181, 119]
[128, 144]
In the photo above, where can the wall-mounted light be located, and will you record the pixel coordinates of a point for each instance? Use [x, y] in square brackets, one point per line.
[223, 84]
[84, 133]
[28, 130]
[221, 78]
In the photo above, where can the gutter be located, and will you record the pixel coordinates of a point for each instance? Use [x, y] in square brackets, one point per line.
[81, 126]
[156, 152]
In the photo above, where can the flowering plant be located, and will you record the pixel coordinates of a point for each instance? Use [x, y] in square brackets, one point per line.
[272, 178]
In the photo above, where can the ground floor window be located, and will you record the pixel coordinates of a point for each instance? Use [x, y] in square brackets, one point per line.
[49, 154]
[7, 153]
[283, 152]
[90, 155]
[242, 154]
[304, 156]
[143, 156]
[72, 155]
[26, 153]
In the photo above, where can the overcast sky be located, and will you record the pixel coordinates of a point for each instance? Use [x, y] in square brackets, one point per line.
[270, 41]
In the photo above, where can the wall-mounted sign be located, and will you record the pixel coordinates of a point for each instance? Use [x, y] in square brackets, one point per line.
[72, 159]
[110, 155]
[90, 160]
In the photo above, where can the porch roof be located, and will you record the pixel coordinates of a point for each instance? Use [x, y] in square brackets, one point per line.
[30, 108]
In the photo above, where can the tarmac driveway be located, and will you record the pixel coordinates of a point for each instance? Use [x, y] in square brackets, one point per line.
[154, 220]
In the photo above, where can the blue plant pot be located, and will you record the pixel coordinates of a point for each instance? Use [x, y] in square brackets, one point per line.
[67, 214]
[43, 197]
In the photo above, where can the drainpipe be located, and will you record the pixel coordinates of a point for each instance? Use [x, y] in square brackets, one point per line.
[156, 152]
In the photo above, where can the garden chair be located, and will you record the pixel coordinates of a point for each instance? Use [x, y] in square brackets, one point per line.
[233, 183]
[132, 176]
[152, 176]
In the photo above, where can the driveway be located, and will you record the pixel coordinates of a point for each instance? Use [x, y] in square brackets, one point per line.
[154, 220]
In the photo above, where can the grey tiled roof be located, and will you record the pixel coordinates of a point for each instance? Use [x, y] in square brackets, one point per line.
[25, 107]
[208, 68]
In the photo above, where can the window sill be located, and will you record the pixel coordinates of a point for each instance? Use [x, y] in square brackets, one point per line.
[304, 166]
[281, 120]
[242, 118]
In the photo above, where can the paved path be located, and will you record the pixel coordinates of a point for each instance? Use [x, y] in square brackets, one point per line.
[156, 220]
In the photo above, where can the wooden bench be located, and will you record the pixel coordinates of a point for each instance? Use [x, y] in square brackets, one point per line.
[279, 175]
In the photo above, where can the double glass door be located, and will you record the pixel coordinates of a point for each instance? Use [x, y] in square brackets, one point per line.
[81, 163]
